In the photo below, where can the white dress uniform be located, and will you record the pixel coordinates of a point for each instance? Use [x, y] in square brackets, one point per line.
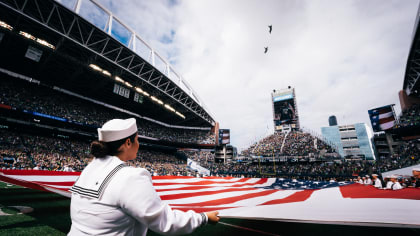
[110, 198]
[378, 183]
[396, 186]
[368, 181]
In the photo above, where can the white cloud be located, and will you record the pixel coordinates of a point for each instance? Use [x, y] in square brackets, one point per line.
[342, 57]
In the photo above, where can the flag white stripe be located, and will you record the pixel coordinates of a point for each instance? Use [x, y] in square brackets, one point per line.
[385, 115]
[255, 201]
[246, 184]
[58, 186]
[164, 193]
[387, 125]
[45, 178]
[199, 199]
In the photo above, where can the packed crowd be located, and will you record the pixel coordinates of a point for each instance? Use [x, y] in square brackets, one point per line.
[41, 153]
[295, 143]
[37, 98]
[27, 152]
[23, 151]
[407, 154]
[160, 163]
[409, 117]
[250, 167]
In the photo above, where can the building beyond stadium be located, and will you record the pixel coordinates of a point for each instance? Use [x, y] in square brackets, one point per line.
[352, 141]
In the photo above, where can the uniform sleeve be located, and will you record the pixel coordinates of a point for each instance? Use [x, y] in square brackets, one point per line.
[140, 200]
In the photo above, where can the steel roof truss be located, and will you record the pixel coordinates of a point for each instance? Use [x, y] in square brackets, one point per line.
[159, 78]
[150, 76]
[103, 49]
[125, 58]
[39, 11]
[145, 73]
[110, 51]
[94, 41]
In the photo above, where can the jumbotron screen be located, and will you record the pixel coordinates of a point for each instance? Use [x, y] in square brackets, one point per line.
[284, 109]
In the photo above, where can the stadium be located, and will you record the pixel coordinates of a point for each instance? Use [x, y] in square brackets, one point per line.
[63, 75]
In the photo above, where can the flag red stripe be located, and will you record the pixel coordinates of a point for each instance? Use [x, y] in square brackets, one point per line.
[362, 191]
[184, 188]
[21, 183]
[385, 110]
[229, 200]
[173, 177]
[206, 182]
[40, 172]
[62, 189]
[204, 193]
[296, 197]
[71, 183]
[386, 120]
[261, 181]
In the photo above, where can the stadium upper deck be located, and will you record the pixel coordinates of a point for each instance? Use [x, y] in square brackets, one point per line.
[411, 83]
[104, 60]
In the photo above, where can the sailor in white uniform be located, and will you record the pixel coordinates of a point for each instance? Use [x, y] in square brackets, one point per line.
[395, 184]
[376, 181]
[388, 183]
[111, 198]
[367, 181]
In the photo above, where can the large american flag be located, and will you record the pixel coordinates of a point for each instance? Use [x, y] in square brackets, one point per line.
[262, 198]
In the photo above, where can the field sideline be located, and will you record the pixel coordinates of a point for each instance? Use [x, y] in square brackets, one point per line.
[50, 216]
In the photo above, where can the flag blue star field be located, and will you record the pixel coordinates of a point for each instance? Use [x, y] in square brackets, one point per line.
[261, 198]
[292, 184]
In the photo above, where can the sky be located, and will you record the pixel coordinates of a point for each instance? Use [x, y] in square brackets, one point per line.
[342, 57]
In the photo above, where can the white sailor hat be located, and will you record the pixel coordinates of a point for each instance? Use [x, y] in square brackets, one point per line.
[394, 177]
[367, 176]
[117, 129]
[416, 169]
[374, 175]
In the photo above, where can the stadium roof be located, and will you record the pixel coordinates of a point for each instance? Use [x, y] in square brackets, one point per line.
[49, 42]
[412, 74]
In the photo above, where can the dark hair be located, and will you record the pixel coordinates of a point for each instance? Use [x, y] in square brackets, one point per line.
[101, 149]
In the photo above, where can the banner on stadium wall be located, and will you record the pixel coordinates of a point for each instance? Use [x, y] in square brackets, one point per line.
[195, 166]
[224, 136]
[382, 118]
[263, 198]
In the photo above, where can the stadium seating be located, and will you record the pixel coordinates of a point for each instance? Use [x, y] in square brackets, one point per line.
[24, 151]
[31, 97]
[409, 117]
[295, 143]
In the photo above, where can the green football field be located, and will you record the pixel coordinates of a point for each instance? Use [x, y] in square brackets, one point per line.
[49, 214]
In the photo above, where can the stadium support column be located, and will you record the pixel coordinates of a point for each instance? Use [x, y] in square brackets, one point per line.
[224, 154]
[389, 141]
